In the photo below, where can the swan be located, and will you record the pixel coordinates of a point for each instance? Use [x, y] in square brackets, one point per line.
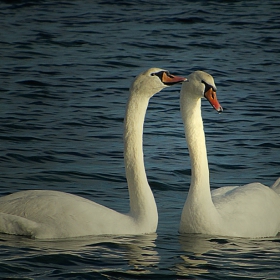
[45, 214]
[251, 210]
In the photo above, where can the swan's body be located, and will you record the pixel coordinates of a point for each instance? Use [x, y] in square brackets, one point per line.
[251, 210]
[52, 214]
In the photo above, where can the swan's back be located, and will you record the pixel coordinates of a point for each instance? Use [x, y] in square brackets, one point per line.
[276, 186]
[253, 202]
[38, 213]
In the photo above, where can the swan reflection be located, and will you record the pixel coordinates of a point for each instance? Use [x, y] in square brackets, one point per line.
[99, 253]
[203, 253]
[194, 261]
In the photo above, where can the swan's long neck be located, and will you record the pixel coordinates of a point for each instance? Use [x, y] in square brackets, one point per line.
[191, 114]
[199, 214]
[142, 203]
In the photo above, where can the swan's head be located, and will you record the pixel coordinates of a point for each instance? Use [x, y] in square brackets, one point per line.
[154, 80]
[201, 84]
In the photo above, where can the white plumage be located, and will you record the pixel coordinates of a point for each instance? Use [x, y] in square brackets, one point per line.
[52, 214]
[252, 210]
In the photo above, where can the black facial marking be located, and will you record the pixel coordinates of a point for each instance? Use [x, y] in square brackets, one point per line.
[207, 86]
[159, 74]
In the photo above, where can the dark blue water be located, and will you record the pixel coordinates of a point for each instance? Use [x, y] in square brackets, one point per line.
[64, 76]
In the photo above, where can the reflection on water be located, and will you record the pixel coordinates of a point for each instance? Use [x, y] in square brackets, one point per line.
[203, 254]
[198, 255]
[139, 252]
[193, 261]
[65, 73]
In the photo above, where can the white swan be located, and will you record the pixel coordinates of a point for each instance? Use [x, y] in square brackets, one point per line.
[52, 214]
[251, 210]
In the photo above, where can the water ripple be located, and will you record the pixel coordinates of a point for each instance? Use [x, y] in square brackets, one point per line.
[65, 73]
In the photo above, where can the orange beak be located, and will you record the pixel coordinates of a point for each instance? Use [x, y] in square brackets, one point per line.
[211, 96]
[169, 79]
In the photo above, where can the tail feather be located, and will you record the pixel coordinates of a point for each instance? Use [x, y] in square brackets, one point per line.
[16, 225]
[276, 186]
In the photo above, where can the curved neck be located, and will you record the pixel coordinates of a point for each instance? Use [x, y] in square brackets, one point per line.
[142, 201]
[195, 137]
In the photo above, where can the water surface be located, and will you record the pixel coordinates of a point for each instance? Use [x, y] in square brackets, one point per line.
[65, 72]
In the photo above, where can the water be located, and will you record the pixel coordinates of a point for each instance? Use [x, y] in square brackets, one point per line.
[65, 72]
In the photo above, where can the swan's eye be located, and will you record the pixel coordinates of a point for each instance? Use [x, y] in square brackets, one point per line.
[159, 74]
[168, 79]
[207, 87]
